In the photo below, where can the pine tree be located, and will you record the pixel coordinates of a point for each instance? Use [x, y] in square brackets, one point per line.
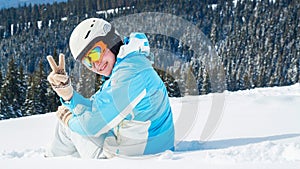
[40, 99]
[206, 88]
[191, 83]
[170, 82]
[52, 100]
[1, 79]
[21, 94]
[41, 90]
[200, 80]
[87, 80]
[260, 39]
[177, 75]
[171, 85]
[9, 92]
[32, 102]
[29, 102]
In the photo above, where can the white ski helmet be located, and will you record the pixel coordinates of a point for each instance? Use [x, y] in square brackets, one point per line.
[89, 32]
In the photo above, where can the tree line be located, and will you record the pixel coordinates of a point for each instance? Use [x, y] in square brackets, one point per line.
[257, 42]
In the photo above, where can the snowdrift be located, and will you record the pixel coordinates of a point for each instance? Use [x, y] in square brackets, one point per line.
[260, 128]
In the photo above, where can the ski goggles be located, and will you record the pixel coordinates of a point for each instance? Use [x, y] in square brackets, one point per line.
[94, 55]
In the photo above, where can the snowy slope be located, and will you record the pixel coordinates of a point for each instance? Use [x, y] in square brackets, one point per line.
[260, 128]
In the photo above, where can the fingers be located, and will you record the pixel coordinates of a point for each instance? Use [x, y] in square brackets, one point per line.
[62, 61]
[52, 63]
[50, 79]
[61, 78]
[57, 79]
[64, 114]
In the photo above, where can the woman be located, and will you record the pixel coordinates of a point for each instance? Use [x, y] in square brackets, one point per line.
[130, 115]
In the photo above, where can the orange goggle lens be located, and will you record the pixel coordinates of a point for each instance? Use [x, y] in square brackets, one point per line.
[94, 55]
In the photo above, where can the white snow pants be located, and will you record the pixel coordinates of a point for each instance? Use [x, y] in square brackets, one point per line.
[68, 143]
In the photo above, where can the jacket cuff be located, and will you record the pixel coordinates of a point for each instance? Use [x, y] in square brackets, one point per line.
[76, 101]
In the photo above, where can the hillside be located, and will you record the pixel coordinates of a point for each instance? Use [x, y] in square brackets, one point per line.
[256, 44]
[259, 129]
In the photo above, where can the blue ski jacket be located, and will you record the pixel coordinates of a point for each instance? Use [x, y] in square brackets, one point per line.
[132, 107]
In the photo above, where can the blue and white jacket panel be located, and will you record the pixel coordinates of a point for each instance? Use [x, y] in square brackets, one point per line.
[132, 107]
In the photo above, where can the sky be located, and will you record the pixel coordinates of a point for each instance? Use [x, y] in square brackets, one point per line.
[16, 3]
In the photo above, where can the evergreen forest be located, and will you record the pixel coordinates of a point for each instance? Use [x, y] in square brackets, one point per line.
[257, 43]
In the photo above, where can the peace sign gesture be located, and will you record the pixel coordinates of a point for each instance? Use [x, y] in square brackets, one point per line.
[59, 79]
[53, 65]
[58, 75]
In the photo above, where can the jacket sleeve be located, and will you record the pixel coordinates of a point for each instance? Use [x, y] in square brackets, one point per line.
[107, 108]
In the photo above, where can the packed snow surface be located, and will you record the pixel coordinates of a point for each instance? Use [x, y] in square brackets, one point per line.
[259, 128]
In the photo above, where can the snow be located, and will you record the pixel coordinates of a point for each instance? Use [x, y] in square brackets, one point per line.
[234, 2]
[114, 10]
[64, 19]
[213, 6]
[49, 23]
[12, 29]
[39, 23]
[259, 128]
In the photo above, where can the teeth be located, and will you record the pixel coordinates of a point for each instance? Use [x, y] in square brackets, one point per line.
[102, 68]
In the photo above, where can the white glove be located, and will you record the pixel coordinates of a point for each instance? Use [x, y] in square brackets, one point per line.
[63, 114]
[59, 79]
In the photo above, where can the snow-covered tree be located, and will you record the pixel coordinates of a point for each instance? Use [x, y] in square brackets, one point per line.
[10, 92]
[22, 88]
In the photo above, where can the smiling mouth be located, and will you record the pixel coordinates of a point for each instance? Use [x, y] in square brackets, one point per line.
[104, 66]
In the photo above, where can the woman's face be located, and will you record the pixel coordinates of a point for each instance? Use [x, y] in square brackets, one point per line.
[105, 65]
